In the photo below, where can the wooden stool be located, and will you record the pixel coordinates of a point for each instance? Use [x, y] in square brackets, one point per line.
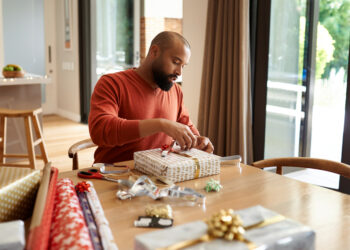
[27, 116]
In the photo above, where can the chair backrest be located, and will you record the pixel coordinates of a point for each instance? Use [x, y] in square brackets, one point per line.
[76, 147]
[305, 162]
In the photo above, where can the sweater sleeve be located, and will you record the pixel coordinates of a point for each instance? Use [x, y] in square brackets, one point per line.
[183, 116]
[105, 126]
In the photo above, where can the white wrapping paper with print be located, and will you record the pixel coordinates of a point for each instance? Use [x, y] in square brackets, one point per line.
[100, 219]
[177, 167]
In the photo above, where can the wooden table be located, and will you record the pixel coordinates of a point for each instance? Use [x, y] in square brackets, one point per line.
[325, 211]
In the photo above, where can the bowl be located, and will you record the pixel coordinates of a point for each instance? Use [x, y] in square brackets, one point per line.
[12, 74]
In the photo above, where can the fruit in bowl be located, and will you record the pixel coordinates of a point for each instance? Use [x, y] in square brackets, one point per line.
[12, 71]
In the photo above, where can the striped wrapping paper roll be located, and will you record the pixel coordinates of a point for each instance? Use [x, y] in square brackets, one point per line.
[90, 221]
[68, 228]
[100, 219]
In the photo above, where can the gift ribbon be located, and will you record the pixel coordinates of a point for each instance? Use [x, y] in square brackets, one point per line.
[196, 162]
[228, 226]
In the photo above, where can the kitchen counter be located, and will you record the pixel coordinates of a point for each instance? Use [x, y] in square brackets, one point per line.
[20, 93]
[27, 79]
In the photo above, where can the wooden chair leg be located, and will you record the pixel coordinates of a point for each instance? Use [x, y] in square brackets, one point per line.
[30, 144]
[279, 170]
[39, 135]
[2, 139]
[75, 162]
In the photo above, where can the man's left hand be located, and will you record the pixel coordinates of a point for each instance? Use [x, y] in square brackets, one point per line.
[203, 143]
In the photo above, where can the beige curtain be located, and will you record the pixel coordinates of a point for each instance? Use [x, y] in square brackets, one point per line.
[225, 102]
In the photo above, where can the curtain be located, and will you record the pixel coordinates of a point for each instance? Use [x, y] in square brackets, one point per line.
[225, 98]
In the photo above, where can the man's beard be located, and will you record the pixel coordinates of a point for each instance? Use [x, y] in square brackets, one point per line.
[162, 80]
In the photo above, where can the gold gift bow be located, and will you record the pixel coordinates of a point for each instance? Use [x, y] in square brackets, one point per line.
[196, 161]
[227, 225]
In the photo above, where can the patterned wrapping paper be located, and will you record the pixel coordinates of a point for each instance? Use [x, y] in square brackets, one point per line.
[285, 234]
[90, 221]
[177, 167]
[18, 187]
[39, 231]
[100, 219]
[68, 228]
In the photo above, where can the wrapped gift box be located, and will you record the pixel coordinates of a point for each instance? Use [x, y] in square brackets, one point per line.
[18, 187]
[12, 235]
[285, 234]
[177, 167]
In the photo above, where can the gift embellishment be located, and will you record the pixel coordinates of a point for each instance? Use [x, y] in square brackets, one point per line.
[166, 149]
[228, 226]
[82, 187]
[144, 186]
[159, 210]
[213, 185]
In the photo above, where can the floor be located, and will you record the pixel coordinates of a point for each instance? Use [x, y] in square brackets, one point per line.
[59, 134]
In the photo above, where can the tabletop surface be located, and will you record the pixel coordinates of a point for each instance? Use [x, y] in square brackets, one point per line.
[327, 212]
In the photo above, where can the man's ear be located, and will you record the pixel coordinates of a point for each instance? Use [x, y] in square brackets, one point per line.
[154, 51]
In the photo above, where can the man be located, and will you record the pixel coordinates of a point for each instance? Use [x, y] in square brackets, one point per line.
[142, 108]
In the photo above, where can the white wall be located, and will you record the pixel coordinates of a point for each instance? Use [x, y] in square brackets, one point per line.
[163, 8]
[23, 34]
[67, 69]
[194, 25]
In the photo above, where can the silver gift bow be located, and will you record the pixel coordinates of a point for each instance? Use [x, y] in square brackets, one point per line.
[144, 186]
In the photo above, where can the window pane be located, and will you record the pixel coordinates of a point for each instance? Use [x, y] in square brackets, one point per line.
[115, 35]
[284, 88]
[333, 35]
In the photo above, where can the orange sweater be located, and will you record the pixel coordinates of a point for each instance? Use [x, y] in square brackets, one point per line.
[119, 101]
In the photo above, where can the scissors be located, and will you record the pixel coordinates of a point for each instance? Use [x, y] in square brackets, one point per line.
[102, 166]
[96, 174]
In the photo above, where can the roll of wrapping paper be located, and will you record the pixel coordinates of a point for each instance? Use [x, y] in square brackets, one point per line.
[90, 221]
[68, 228]
[101, 221]
[39, 232]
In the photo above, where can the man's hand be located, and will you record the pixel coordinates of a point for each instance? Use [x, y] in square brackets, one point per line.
[181, 133]
[203, 143]
[178, 131]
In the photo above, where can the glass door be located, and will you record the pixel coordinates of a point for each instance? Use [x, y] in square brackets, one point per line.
[307, 56]
[333, 34]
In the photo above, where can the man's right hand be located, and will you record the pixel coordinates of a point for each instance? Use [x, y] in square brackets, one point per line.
[178, 131]
[181, 133]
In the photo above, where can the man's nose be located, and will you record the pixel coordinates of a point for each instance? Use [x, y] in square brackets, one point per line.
[178, 71]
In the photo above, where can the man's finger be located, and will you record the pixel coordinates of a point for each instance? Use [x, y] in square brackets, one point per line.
[209, 148]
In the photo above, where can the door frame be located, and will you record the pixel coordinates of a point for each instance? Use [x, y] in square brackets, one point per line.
[344, 183]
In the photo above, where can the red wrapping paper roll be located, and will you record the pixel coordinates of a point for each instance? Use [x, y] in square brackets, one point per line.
[68, 228]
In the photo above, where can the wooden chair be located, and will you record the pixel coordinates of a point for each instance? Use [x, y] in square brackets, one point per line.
[305, 162]
[28, 116]
[76, 147]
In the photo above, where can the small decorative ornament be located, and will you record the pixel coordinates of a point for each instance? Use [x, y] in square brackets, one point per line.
[227, 225]
[82, 187]
[160, 210]
[213, 185]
